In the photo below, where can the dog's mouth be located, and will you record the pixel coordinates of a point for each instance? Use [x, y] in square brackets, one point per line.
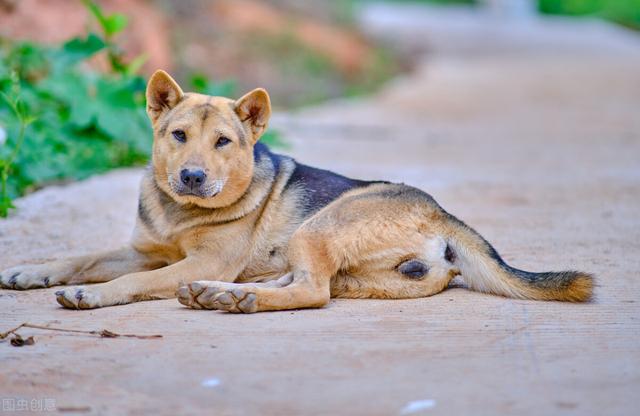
[207, 190]
[197, 193]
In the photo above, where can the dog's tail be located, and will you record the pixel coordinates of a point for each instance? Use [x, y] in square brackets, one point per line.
[483, 270]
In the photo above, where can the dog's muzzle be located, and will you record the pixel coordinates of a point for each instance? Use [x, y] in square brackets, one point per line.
[194, 182]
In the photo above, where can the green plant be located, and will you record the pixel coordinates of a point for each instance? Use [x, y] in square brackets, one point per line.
[111, 25]
[6, 162]
[624, 12]
[64, 121]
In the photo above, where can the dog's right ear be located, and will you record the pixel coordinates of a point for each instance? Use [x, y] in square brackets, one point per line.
[163, 93]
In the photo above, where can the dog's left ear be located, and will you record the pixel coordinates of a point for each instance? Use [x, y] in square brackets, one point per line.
[163, 93]
[254, 110]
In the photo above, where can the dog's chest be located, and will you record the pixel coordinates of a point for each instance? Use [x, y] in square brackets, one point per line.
[265, 263]
[268, 249]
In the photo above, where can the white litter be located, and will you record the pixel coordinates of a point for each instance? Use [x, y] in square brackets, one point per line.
[210, 382]
[418, 405]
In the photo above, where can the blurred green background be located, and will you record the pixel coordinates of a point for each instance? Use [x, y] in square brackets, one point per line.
[624, 12]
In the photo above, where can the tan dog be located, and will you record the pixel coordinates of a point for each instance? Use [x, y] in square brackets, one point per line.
[232, 226]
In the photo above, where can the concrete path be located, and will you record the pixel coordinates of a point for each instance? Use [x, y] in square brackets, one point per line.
[529, 132]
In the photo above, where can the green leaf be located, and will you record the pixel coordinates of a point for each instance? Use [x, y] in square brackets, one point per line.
[199, 82]
[78, 49]
[114, 24]
[115, 93]
[134, 66]
[73, 91]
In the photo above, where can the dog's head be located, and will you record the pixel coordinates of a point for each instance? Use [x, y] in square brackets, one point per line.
[203, 145]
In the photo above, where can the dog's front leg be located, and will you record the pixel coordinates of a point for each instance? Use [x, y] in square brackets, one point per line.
[92, 268]
[156, 284]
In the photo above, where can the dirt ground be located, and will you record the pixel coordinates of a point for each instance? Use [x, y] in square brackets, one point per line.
[529, 132]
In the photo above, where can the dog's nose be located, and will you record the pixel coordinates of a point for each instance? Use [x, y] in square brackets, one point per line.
[192, 178]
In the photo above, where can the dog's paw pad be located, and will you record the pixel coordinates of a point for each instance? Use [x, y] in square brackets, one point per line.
[25, 277]
[196, 288]
[196, 295]
[187, 296]
[225, 299]
[248, 304]
[217, 296]
[77, 298]
[236, 301]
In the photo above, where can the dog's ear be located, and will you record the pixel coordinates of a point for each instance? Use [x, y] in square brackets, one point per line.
[163, 93]
[254, 110]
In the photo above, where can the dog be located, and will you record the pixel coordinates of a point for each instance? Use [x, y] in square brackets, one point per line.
[223, 223]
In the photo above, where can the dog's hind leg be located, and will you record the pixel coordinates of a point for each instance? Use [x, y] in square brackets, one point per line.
[306, 287]
[93, 268]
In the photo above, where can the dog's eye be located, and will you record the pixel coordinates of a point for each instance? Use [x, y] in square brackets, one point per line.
[179, 135]
[222, 141]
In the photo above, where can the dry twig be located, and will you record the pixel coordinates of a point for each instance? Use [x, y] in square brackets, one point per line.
[104, 333]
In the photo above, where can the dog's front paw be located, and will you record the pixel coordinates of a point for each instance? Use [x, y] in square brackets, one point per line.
[78, 297]
[218, 295]
[27, 277]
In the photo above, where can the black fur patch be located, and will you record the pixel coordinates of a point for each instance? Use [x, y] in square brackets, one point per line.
[261, 150]
[143, 214]
[449, 254]
[321, 187]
